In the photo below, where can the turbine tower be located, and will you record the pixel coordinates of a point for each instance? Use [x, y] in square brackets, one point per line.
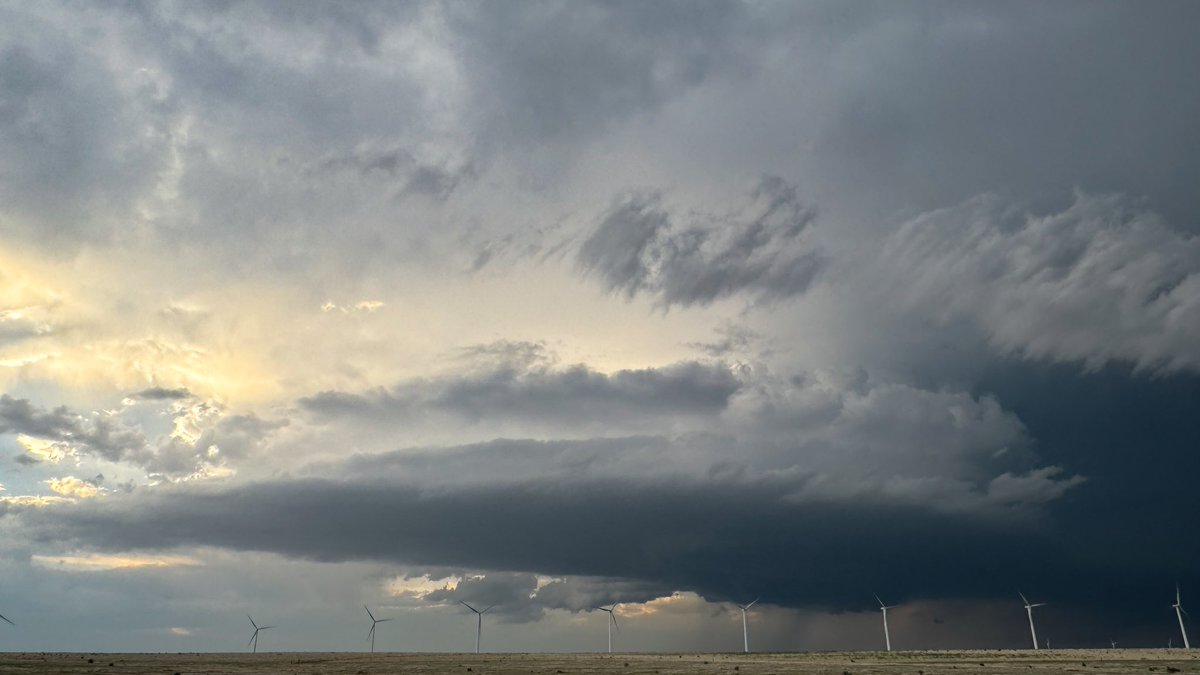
[612, 622]
[887, 637]
[478, 622]
[374, 622]
[1179, 612]
[745, 631]
[1029, 610]
[254, 638]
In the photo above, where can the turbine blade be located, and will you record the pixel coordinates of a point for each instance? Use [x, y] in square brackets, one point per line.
[752, 604]
[252, 622]
[252, 638]
[266, 627]
[1177, 600]
[1040, 604]
[613, 616]
[1023, 598]
[369, 612]
[469, 607]
[879, 601]
[381, 620]
[6, 620]
[371, 633]
[486, 610]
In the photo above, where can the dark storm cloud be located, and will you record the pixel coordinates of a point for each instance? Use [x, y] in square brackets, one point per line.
[1103, 280]
[571, 394]
[722, 540]
[759, 250]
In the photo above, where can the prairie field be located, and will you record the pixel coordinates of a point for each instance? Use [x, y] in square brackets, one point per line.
[1160, 661]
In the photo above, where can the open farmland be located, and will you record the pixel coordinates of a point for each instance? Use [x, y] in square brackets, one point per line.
[1164, 662]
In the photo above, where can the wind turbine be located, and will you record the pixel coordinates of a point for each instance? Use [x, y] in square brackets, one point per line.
[887, 637]
[612, 621]
[374, 622]
[1114, 643]
[478, 623]
[1029, 610]
[257, 629]
[1179, 612]
[745, 631]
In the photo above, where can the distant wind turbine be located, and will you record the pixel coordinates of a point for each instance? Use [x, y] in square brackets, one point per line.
[478, 623]
[887, 638]
[257, 629]
[374, 622]
[745, 631]
[1179, 612]
[1114, 643]
[1029, 610]
[612, 622]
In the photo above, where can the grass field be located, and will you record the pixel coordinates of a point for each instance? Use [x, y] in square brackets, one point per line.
[1160, 661]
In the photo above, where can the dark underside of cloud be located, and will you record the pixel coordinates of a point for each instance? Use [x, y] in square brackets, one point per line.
[516, 390]
[720, 540]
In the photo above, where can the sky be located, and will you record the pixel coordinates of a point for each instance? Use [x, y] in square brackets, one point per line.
[308, 306]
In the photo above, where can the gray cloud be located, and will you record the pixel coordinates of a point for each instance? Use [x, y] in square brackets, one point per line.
[760, 250]
[160, 394]
[19, 416]
[1103, 280]
[556, 71]
[209, 442]
[535, 391]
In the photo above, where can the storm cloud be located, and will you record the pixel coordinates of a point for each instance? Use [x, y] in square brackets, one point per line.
[556, 304]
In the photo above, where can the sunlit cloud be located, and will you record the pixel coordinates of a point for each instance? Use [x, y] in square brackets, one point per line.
[96, 562]
[420, 586]
[70, 486]
[46, 450]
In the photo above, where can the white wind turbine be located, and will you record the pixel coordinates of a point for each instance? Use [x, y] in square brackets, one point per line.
[1179, 612]
[745, 631]
[478, 623]
[1029, 610]
[887, 637]
[257, 629]
[1114, 643]
[374, 622]
[612, 622]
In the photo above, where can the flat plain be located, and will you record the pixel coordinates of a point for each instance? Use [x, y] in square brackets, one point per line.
[1003, 662]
